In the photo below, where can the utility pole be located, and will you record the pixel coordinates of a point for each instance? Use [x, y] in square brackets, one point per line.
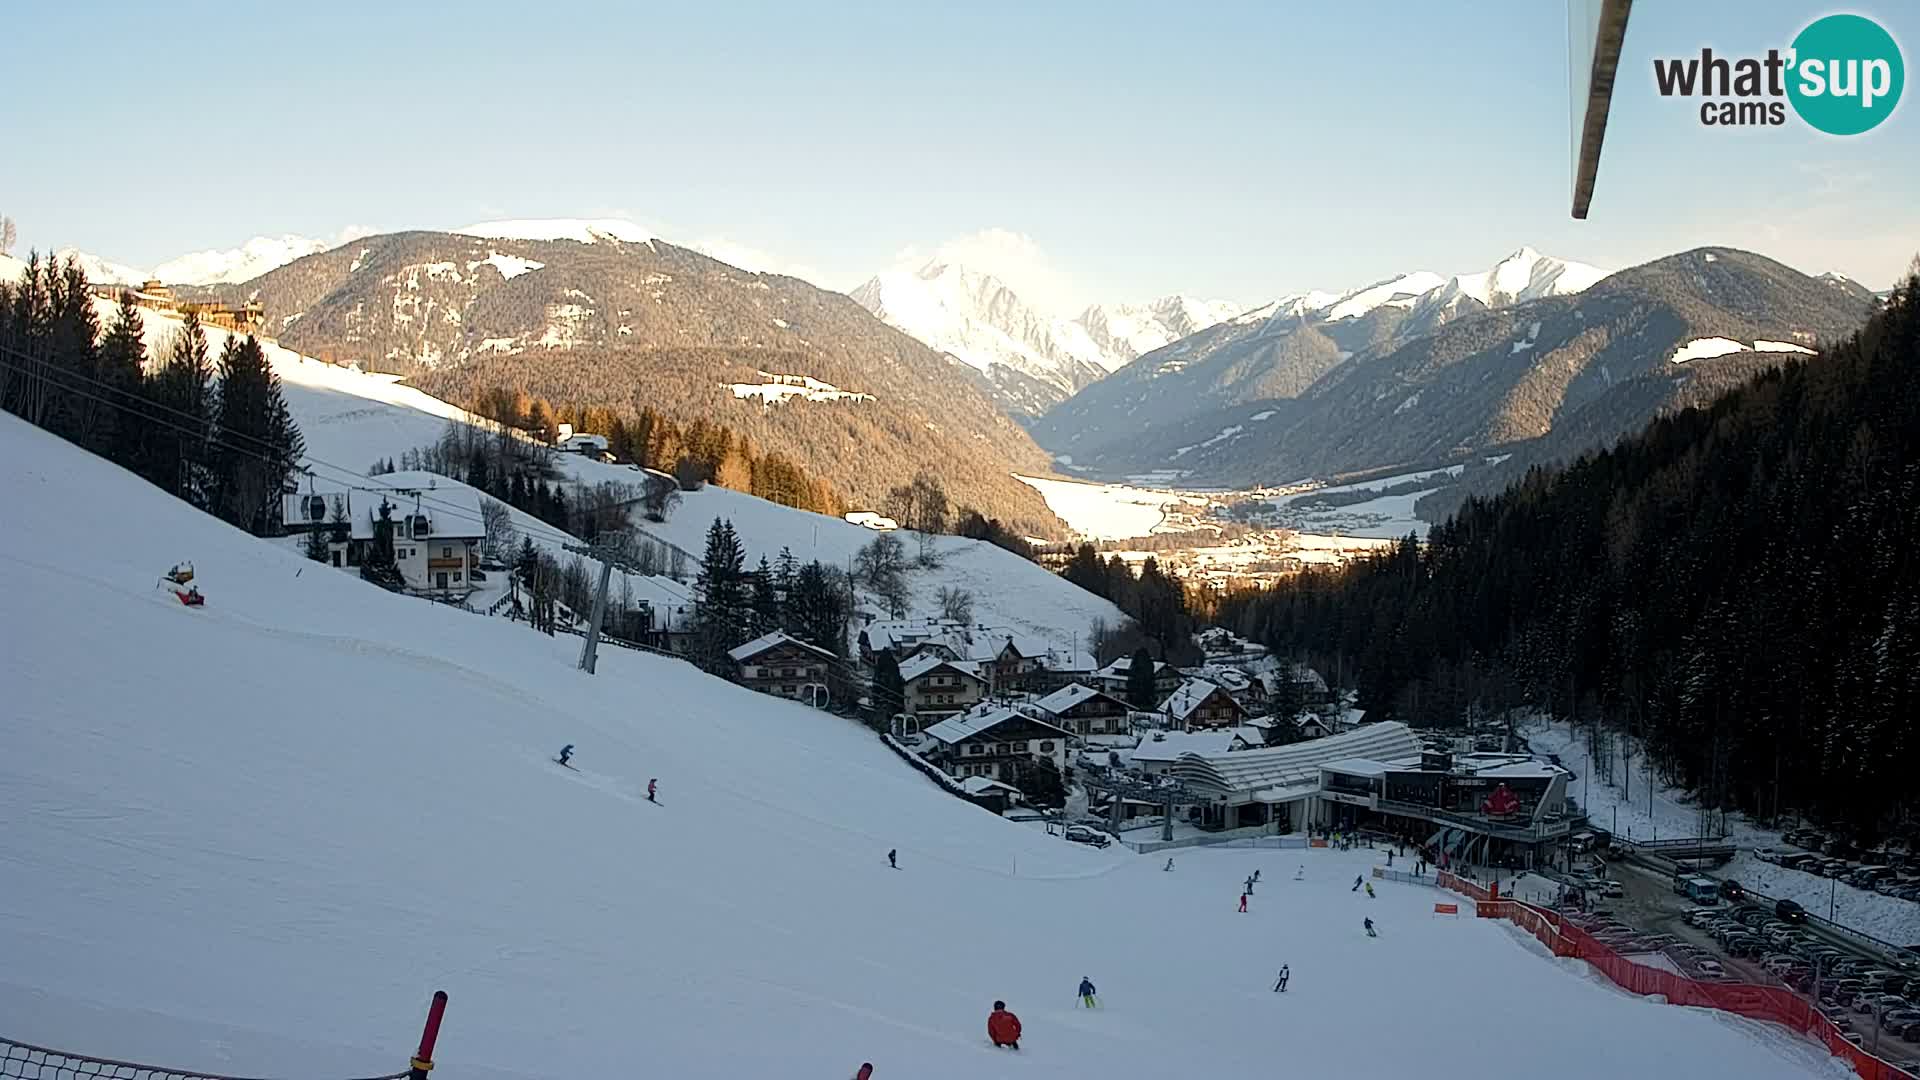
[608, 555]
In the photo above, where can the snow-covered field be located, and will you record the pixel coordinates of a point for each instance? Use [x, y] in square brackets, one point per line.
[1008, 592]
[1674, 814]
[255, 836]
[1105, 511]
[1387, 517]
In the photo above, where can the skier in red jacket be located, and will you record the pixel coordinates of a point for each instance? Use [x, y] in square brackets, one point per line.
[865, 1073]
[1003, 1027]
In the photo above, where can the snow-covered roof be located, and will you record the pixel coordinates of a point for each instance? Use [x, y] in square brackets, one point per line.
[1228, 679]
[980, 785]
[1357, 767]
[928, 662]
[1122, 667]
[1288, 766]
[1071, 695]
[968, 724]
[1170, 745]
[1521, 770]
[1189, 697]
[751, 649]
[1249, 734]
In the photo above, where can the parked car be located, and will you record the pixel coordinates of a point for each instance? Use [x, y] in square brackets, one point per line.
[1081, 834]
[1899, 1022]
[1790, 911]
[1874, 1004]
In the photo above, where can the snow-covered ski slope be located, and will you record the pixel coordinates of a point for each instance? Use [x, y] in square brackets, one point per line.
[255, 836]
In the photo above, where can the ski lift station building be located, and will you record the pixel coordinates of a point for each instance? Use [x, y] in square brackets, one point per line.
[1379, 775]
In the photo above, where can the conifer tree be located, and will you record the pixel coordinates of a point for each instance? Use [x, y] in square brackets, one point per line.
[316, 546]
[1140, 684]
[258, 441]
[183, 389]
[766, 600]
[722, 612]
[123, 361]
[889, 693]
[819, 609]
[379, 565]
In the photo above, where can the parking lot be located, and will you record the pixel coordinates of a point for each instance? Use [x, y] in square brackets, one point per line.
[1745, 943]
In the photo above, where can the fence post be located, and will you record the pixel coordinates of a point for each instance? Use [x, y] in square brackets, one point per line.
[422, 1062]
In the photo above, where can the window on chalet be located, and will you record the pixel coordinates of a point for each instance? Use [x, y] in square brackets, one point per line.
[1046, 747]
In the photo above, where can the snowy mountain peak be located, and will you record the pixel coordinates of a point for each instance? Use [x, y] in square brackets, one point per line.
[1403, 290]
[1522, 276]
[1035, 358]
[579, 230]
[234, 265]
[212, 267]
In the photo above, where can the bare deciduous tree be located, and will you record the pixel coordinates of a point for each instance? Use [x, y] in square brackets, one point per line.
[956, 605]
[661, 499]
[502, 539]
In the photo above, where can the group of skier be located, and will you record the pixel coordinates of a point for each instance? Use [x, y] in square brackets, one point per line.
[565, 759]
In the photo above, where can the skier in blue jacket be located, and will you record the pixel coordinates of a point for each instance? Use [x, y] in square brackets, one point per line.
[1086, 992]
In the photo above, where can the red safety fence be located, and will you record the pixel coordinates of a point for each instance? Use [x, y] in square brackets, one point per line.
[1446, 909]
[1774, 1004]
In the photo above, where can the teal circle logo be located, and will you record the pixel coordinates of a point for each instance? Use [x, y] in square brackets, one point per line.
[1847, 74]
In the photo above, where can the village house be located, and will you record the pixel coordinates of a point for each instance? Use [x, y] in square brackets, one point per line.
[1010, 668]
[436, 531]
[1113, 678]
[1085, 711]
[782, 666]
[1250, 692]
[995, 742]
[1226, 647]
[1201, 704]
[937, 687]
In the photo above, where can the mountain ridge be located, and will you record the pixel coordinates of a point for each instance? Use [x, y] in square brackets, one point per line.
[638, 322]
[1033, 359]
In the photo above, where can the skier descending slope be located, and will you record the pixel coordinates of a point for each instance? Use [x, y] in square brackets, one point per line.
[1369, 890]
[1169, 865]
[865, 1073]
[1280, 984]
[1003, 1027]
[1087, 993]
[893, 858]
[652, 786]
[1243, 902]
[1369, 923]
[566, 756]
[1357, 879]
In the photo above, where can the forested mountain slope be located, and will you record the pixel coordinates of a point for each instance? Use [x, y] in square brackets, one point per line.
[1738, 584]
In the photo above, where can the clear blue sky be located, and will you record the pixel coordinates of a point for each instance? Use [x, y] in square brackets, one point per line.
[1231, 149]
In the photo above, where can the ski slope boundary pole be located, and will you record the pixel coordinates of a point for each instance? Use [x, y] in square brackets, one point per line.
[422, 1062]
